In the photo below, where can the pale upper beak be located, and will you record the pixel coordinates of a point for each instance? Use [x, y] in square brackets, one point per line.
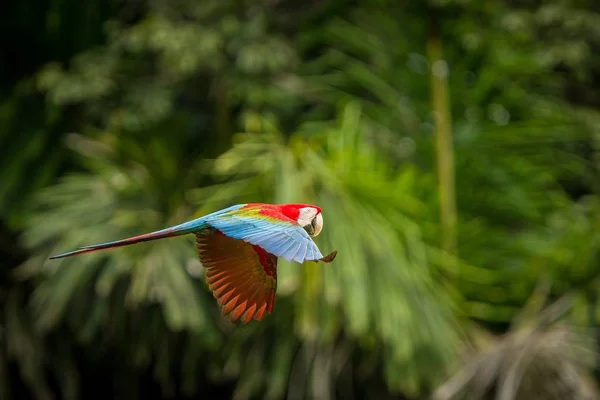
[316, 225]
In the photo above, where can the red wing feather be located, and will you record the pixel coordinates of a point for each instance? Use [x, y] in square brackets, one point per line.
[242, 277]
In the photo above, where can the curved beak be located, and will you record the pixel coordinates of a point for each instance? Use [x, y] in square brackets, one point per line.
[316, 225]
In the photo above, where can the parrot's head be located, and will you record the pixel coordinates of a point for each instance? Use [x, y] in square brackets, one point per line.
[308, 217]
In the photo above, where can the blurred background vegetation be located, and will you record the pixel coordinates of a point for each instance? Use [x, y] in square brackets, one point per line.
[453, 145]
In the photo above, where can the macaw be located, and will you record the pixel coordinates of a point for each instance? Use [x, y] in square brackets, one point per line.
[239, 247]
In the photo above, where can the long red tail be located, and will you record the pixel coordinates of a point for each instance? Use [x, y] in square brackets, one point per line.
[182, 229]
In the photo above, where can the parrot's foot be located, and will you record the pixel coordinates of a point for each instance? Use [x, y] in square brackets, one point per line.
[329, 257]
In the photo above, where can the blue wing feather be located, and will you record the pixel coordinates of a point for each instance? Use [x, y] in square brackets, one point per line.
[282, 239]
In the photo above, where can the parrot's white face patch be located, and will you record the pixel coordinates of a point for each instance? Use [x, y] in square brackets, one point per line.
[310, 219]
[306, 215]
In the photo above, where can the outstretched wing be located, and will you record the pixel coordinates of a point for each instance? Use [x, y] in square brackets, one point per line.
[242, 276]
[278, 235]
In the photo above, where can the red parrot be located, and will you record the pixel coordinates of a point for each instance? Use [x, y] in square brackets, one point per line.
[239, 247]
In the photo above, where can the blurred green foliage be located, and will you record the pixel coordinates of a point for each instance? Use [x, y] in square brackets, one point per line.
[121, 118]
